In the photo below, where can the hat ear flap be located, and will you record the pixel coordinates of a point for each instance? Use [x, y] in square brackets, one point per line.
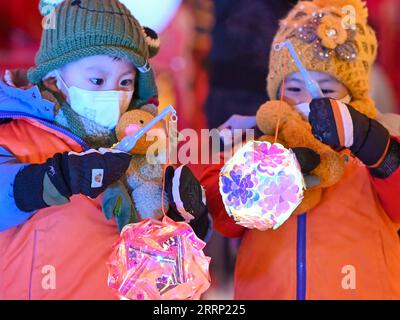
[366, 106]
[145, 89]
[152, 41]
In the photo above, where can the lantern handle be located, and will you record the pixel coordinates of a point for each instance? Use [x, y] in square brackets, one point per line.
[311, 85]
[129, 142]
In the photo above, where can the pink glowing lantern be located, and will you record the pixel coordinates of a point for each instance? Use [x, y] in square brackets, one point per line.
[158, 260]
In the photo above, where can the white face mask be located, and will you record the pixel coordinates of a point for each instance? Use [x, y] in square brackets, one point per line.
[304, 108]
[103, 107]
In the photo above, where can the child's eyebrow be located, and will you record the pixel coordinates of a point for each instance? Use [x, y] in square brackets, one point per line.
[325, 81]
[128, 72]
[94, 68]
[103, 71]
[294, 80]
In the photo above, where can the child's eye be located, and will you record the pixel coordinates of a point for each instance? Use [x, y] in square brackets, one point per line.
[97, 82]
[327, 91]
[294, 89]
[127, 83]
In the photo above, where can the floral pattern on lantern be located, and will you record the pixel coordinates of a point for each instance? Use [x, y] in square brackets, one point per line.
[261, 185]
[238, 188]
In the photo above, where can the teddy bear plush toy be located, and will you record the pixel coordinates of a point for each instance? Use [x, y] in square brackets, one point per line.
[321, 166]
[139, 194]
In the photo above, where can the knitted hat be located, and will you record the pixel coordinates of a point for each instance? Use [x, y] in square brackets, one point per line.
[82, 28]
[327, 40]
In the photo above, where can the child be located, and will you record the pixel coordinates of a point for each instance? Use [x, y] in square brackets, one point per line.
[90, 69]
[347, 246]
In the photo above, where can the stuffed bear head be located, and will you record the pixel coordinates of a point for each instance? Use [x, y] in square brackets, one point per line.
[134, 120]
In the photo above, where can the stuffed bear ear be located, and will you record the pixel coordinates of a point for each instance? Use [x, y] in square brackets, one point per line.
[152, 41]
[150, 108]
[47, 6]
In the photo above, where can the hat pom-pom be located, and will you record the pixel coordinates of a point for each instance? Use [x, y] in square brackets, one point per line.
[152, 41]
[47, 6]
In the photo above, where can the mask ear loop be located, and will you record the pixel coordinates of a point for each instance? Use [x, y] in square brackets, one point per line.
[281, 97]
[61, 79]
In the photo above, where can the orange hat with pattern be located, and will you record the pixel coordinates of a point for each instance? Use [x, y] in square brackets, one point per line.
[330, 36]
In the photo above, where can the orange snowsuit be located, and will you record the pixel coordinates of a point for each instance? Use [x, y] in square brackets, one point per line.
[348, 247]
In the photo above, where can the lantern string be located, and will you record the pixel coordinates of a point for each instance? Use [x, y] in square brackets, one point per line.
[167, 162]
[281, 97]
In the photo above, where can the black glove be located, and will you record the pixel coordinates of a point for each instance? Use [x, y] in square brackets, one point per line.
[89, 173]
[307, 158]
[341, 126]
[187, 200]
[368, 140]
[390, 163]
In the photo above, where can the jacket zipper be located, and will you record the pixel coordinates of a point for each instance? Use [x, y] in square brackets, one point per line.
[83, 144]
[301, 257]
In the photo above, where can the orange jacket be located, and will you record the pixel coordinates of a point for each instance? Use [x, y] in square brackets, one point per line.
[61, 251]
[58, 252]
[345, 248]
